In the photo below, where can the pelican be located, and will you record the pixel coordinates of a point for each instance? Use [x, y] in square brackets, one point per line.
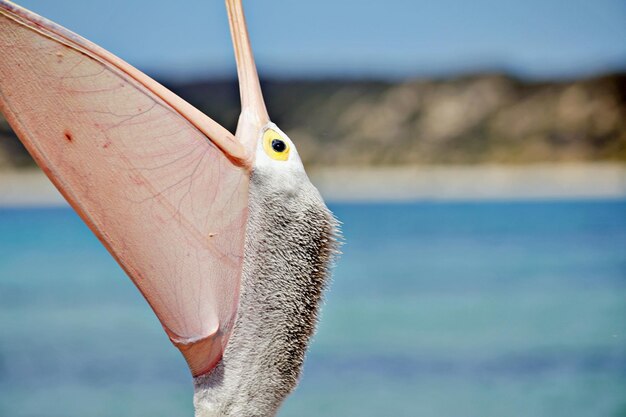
[224, 235]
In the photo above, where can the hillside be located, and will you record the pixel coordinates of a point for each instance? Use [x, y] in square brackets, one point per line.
[467, 120]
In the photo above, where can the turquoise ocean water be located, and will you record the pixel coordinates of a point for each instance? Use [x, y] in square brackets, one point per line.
[436, 309]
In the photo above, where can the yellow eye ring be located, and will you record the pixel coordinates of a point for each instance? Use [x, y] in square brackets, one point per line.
[275, 146]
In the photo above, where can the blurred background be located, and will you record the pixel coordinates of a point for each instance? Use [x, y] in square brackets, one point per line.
[476, 155]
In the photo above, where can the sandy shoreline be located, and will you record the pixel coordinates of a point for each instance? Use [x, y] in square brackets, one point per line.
[438, 183]
[480, 182]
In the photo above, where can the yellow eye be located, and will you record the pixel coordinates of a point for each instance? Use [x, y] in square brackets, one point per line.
[275, 146]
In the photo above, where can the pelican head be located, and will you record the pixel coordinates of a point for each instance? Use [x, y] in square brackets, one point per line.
[290, 243]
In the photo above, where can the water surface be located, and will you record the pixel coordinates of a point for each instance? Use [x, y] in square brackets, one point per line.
[436, 309]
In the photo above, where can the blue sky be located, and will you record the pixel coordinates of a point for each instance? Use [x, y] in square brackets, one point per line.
[339, 38]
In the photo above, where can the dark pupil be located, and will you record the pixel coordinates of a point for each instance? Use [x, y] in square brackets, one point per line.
[278, 145]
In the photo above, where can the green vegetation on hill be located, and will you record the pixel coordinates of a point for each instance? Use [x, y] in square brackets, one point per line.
[467, 120]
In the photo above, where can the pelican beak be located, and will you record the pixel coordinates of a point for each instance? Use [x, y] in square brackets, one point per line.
[254, 115]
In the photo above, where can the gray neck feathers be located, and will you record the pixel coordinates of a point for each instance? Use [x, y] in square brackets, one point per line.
[290, 243]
